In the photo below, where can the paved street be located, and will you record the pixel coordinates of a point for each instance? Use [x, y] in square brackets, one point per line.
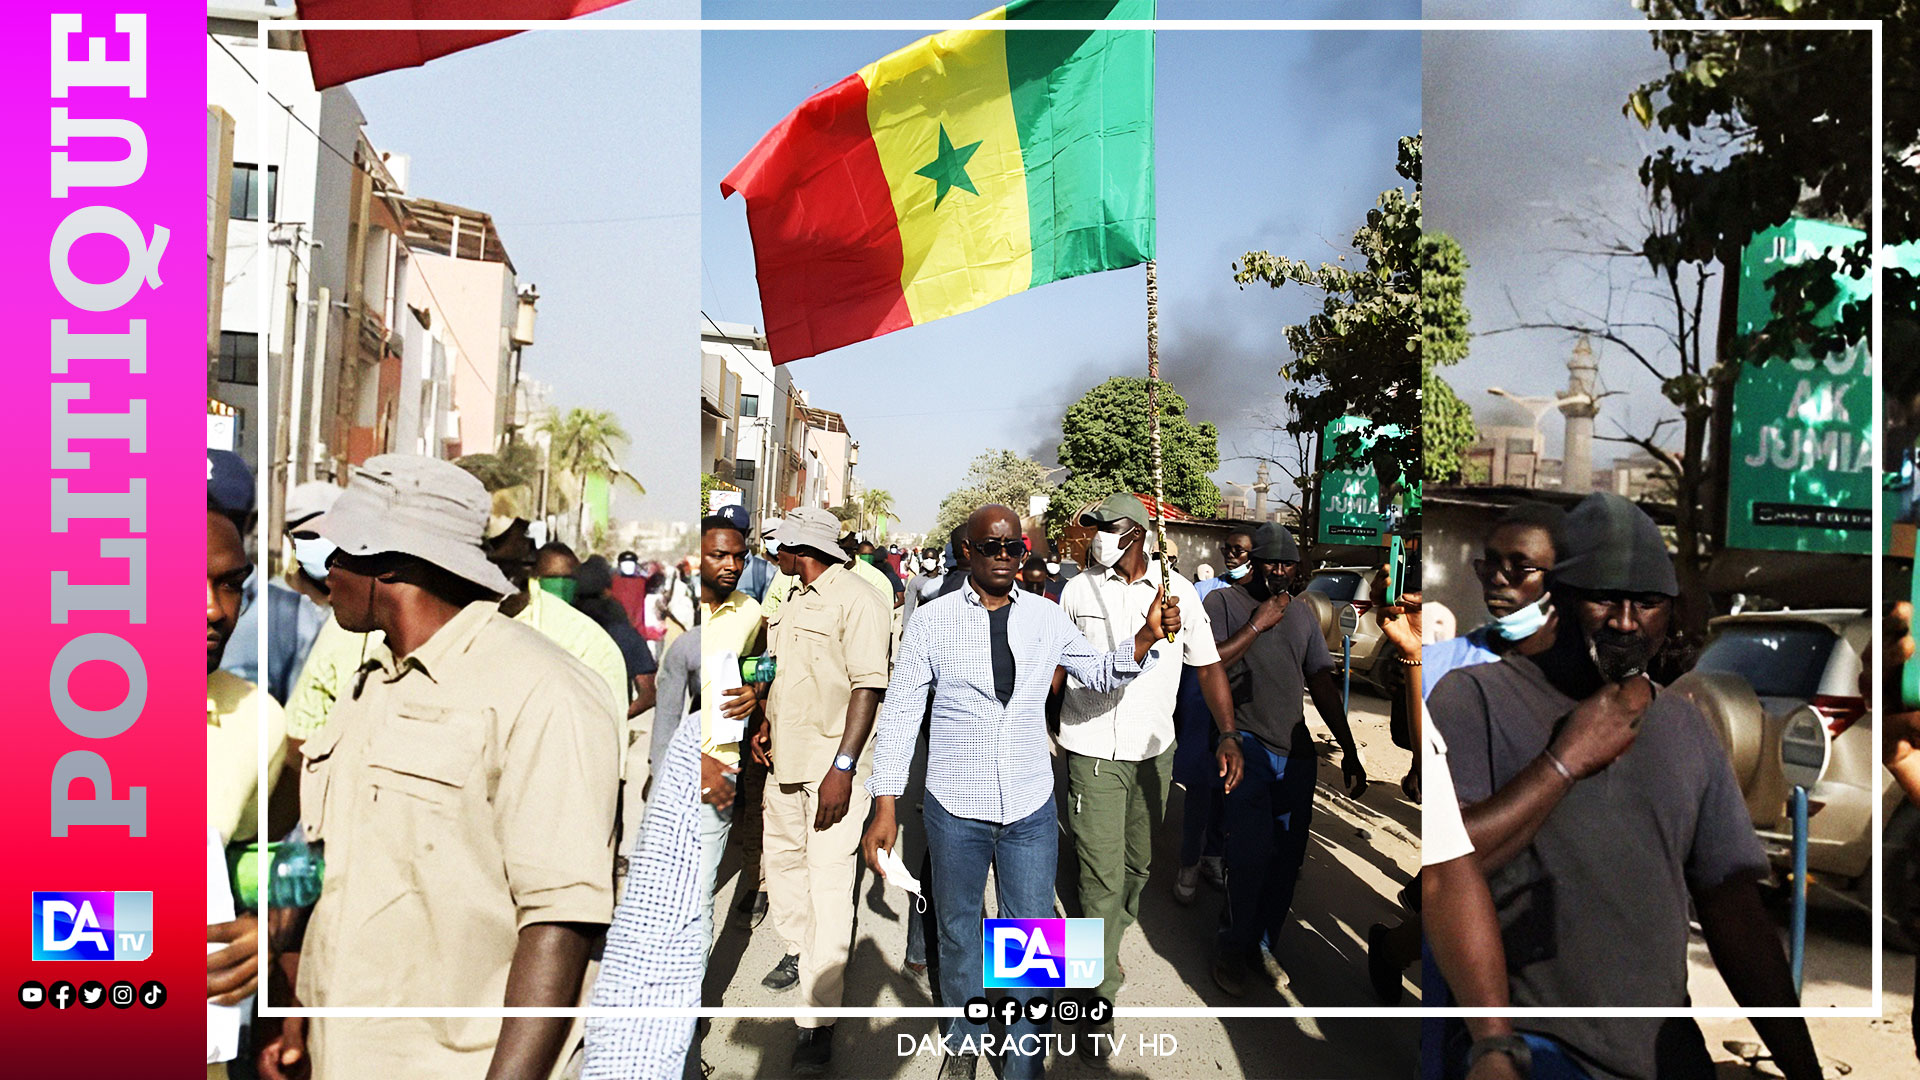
[1363, 853]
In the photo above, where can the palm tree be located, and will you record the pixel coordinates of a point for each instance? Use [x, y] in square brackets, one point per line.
[585, 443]
[876, 505]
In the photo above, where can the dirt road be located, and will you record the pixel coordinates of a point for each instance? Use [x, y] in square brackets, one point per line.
[1362, 853]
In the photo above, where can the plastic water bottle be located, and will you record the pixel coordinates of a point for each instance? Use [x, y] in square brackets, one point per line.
[757, 669]
[297, 872]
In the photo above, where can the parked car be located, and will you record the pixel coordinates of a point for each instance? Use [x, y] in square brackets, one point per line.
[1352, 586]
[1782, 691]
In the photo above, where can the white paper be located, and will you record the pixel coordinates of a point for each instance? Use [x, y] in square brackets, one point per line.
[726, 679]
[223, 1021]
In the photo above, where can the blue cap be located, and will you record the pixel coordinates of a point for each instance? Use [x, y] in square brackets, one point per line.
[735, 516]
[229, 482]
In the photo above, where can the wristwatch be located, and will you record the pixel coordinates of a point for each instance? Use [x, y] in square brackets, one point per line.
[1513, 1046]
[843, 762]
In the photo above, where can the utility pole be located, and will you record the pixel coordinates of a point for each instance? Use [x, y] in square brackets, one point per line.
[276, 468]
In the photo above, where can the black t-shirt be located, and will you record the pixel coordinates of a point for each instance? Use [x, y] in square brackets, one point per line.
[1270, 680]
[1594, 911]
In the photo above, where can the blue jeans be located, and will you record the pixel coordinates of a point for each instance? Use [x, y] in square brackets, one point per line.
[1202, 820]
[1023, 856]
[1269, 817]
[1550, 1062]
[714, 826]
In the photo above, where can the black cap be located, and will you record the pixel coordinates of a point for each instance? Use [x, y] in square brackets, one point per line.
[1273, 543]
[1613, 546]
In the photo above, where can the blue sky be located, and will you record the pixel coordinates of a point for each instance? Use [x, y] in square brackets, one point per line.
[583, 146]
[1277, 141]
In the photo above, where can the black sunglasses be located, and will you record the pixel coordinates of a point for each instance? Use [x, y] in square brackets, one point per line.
[996, 548]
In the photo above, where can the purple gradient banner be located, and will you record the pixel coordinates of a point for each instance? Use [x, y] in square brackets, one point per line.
[103, 445]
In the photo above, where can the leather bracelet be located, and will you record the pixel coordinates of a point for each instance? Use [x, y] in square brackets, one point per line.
[1515, 1047]
[1560, 767]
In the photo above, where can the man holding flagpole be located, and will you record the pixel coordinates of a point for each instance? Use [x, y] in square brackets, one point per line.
[987, 653]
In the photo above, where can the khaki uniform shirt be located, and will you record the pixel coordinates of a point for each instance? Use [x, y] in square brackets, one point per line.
[829, 639]
[463, 793]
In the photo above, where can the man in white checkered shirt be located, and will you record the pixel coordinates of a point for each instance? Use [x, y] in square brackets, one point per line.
[988, 652]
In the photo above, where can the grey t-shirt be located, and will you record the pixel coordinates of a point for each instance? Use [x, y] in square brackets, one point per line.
[1594, 910]
[1270, 681]
[678, 680]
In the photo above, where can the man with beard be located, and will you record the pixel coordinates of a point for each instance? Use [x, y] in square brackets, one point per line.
[1513, 584]
[1600, 809]
[239, 718]
[731, 620]
[1275, 656]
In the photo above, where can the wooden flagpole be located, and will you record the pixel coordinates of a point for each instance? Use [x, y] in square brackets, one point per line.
[1153, 428]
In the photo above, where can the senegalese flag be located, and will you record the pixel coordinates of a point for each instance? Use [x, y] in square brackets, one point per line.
[962, 169]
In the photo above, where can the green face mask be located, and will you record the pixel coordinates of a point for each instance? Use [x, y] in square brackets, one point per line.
[868, 557]
[561, 587]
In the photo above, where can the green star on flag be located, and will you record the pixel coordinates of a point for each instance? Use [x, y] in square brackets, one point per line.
[949, 169]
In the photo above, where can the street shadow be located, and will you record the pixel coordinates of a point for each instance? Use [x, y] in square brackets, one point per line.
[754, 1047]
[730, 943]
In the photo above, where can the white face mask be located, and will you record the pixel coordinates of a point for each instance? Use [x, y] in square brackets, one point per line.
[928, 564]
[1522, 624]
[1238, 572]
[1053, 569]
[1107, 548]
[312, 552]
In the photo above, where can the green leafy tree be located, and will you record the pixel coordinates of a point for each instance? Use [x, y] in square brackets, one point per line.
[1360, 355]
[876, 505]
[1104, 446]
[1446, 424]
[587, 443]
[997, 476]
[1771, 125]
[709, 483]
[1779, 123]
[493, 473]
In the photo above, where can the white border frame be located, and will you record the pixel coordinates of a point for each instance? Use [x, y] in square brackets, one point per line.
[1876, 236]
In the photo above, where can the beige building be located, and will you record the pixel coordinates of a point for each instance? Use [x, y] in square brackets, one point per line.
[1511, 448]
[461, 275]
[830, 458]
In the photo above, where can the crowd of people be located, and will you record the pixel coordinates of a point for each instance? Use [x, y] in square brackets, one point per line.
[453, 781]
[1578, 815]
[1043, 704]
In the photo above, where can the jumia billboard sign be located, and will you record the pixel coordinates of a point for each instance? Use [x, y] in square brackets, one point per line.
[1802, 477]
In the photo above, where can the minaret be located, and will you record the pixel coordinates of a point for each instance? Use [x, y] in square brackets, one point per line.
[1260, 484]
[1578, 405]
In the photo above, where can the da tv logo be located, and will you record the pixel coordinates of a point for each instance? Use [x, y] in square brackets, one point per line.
[92, 925]
[1042, 952]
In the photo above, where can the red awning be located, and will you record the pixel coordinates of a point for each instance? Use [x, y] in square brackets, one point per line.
[339, 56]
[1168, 512]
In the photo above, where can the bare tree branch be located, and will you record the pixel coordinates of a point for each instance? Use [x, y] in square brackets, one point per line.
[1600, 332]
